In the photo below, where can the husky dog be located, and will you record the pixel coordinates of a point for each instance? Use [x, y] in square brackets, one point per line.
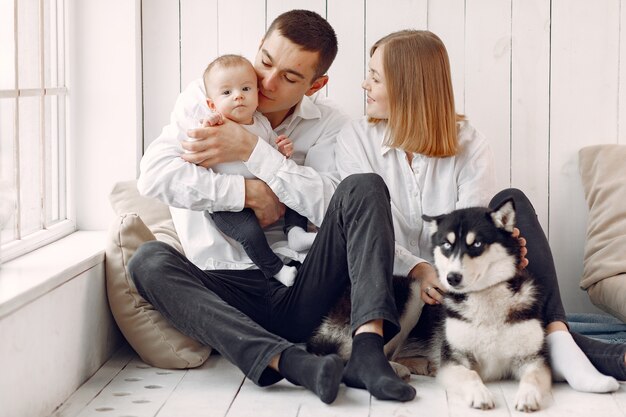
[334, 334]
[491, 327]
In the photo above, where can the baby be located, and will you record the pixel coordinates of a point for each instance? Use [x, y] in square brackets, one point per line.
[230, 82]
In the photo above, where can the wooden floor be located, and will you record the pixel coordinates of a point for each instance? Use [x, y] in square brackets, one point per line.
[125, 386]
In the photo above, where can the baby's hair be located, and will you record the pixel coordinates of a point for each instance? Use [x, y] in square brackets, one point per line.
[224, 61]
[422, 116]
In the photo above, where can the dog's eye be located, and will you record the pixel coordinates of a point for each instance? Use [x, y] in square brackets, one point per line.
[477, 244]
[446, 245]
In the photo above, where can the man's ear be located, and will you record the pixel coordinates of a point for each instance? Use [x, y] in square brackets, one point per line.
[317, 85]
[211, 105]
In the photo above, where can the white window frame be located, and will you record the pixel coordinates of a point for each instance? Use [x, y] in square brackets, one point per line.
[48, 231]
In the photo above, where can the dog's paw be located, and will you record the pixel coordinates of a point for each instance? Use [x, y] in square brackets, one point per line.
[401, 370]
[418, 366]
[479, 396]
[528, 398]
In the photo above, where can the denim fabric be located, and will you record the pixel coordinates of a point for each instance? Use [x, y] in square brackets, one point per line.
[598, 326]
[249, 320]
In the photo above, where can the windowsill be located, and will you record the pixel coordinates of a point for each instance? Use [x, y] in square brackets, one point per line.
[30, 276]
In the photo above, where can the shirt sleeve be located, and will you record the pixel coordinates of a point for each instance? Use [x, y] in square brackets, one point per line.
[404, 261]
[166, 176]
[352, 158]
[351, 153]
[307, 188]
[475, 172]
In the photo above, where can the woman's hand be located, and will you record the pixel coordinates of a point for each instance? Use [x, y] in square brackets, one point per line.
[426, 275]
[523, 262]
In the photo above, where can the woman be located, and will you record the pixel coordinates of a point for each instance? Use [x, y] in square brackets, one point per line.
[433, 162]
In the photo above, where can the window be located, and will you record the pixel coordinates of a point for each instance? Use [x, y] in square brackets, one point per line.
[33, 104]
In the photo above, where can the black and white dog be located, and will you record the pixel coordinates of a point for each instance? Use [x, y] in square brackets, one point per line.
[491, 328]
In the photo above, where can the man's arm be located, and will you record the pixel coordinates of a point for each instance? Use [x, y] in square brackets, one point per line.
[167, 176]
[307, 188]
[211, 145]
[227, 142]
[262, 200]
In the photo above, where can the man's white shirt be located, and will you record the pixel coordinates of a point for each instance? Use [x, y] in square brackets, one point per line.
[429, 186]
[305, 182]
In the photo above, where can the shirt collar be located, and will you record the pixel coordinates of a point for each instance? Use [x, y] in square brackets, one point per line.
[305, 109]
[382, 127]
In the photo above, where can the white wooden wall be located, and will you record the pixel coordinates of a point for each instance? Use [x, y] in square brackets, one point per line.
[540, 78]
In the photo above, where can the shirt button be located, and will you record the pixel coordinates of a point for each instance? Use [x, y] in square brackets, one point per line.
[413, 243]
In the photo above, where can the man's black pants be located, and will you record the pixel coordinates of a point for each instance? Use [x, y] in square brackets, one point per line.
[250, 319]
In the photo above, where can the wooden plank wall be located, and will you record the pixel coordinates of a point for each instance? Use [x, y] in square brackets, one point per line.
[540, 78]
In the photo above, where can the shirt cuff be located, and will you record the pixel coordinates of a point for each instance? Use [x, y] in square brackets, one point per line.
[404, 261]
[231, 194]
[264, 161]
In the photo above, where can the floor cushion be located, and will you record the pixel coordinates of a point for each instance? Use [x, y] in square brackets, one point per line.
[603, 174]
[139, 220]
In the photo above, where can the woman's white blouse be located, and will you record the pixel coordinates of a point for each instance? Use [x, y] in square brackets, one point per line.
[428, 185]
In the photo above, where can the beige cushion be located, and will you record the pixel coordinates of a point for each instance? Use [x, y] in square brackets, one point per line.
[603, 174]
[155, 340]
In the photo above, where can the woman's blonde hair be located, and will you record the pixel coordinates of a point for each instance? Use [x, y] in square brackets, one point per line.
[422, 118]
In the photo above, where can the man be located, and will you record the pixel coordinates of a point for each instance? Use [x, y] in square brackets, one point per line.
[213, 294]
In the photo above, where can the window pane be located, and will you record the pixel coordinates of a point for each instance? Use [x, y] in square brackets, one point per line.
[33, 125]
[52, 166]
[7, 45]
[61, 154]
[30, 161]
[49, 44]
[7, 177]
[28, 41]
[60, 39]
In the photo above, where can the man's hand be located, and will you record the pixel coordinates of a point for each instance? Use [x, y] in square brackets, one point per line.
[212, 145]
[426, 275]
[260, 198]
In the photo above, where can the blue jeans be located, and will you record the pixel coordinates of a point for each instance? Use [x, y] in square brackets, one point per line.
[243, 226]
[250, 320]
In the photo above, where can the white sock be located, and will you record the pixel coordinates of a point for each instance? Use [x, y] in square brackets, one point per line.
[287, 275]
[570, 363]
[299, 239]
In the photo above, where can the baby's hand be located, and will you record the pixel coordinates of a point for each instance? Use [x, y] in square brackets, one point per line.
[285, 145]
[213, 119]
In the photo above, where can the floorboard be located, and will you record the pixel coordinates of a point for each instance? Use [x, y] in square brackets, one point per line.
[205, 391]
[125, 386]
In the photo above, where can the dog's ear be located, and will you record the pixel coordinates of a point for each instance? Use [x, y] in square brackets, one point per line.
[504, 215]
[432, 222]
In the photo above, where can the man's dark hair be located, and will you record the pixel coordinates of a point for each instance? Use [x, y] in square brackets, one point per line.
[311, 32]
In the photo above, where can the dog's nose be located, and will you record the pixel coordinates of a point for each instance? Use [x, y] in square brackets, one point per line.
[454, 278]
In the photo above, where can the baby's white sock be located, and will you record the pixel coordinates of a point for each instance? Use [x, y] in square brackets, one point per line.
[299, 239]
[570, 363]
[287, 275]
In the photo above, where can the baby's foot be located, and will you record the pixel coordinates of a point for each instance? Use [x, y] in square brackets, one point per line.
[287, 275]
[300, 240]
